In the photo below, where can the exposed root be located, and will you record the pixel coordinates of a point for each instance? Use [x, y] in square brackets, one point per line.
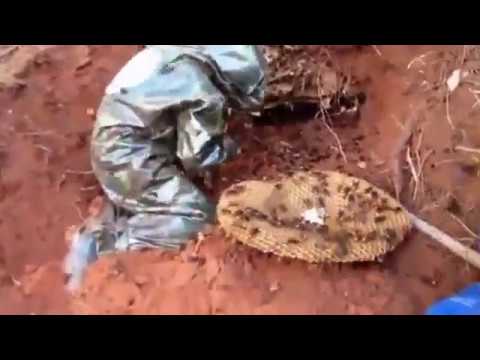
[337, 139]
[462, 224]
[419, 59]
[44, 148]
[89, 188]
[78, 172]
[334, 134]
[376, 49]
[419, 144]
[37, 133]
[436, 204]
[396, 158]
[421, 166]
[467, 149]
[61, 181]
[447, 106]
[9, 51]
[446, 161]
[413, 171]
[79, 212]
[411, 165]
[475, 95]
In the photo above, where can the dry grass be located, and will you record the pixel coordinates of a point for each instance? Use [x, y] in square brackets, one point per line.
[465, 227]
[324, 118]
[376, 49]
[467, 149]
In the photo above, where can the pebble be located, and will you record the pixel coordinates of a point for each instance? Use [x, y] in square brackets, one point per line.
[380, 300]
[248, 268]
[375, 278]
[353, 309]
[274, 287]
[362, 165]
[363, 310]
[30, 269]
[5, 278]
[90, 112]
[140, 280]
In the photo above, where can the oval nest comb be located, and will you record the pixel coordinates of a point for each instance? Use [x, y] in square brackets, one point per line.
[316, 217]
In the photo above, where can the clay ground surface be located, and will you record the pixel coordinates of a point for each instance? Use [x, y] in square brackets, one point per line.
[47, 108]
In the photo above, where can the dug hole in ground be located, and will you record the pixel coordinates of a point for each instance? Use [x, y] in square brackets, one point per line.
[420, 101]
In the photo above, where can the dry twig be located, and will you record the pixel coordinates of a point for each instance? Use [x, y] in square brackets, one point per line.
[78, 172]
[413, 171]
[467, 149]
[396, 162]
[470, 256]
[377, 50]
[334, 134]
[36, 133]
[89, 188]
[436, 204]
[44, 148]
[446, 161]
[9, 51]
[447, 106]
[475, 95]
[419, 59]
[337, 139]
[462, 224]
[79, 211]
[422, 166]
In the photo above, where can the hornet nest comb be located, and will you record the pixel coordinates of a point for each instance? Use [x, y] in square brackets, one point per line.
[316, 217]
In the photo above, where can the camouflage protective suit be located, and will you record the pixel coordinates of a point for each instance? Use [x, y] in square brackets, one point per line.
[162, 120]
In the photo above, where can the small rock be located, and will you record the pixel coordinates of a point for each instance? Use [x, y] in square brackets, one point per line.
[362, 165]
[375, 278]
[90, 112]
[26, 291]
[363, 310]
[131, 301]
[196, 259]
[96, 206]
[353, 309]
[5, 278]
[454, 80]
[70, 233]
[212, 269]
[85, 63]
[380, 300]
[140, 280]
[274, 287]
[30, 269]
[248, 268]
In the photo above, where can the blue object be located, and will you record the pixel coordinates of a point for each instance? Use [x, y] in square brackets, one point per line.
[466, 302]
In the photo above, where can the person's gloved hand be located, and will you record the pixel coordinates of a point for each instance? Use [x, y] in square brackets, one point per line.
[465, 302]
